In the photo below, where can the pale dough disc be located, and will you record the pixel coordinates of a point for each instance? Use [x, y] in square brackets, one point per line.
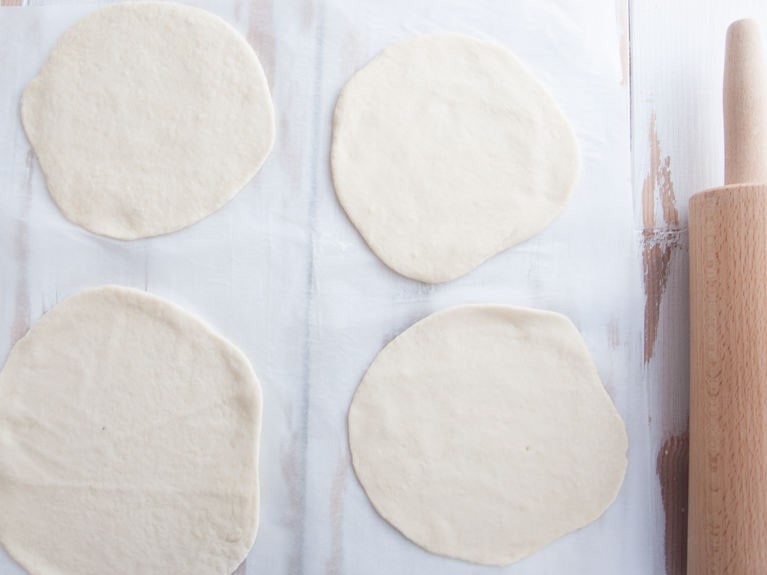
[128, 442]
[484, 432]
[147, 117]
[446, 151]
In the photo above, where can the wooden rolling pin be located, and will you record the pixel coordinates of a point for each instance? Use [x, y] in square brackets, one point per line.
[727, 530]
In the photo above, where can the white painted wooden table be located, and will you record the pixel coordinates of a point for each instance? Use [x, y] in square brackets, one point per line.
[282, 272]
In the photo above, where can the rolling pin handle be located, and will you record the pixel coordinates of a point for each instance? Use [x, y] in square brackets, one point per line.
[745, 105]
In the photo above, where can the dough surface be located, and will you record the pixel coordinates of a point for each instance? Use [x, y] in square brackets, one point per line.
[484, 433]
[128, 442]
[147, 117]
[446, 151]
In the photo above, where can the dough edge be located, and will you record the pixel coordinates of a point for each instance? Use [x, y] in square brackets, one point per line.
[527, 313]
[36, 84]
[379, 251]
[156, 302]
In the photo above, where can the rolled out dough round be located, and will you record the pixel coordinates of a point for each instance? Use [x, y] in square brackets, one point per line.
[147, 117]
[484, 432]
[128, 442]
[446, 151]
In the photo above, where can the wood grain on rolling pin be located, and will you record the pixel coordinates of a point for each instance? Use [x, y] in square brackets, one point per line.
[728, 304]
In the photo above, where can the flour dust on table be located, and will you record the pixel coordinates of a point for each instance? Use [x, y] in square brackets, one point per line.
[446, 151]
[129, 439]
[484, 433]
[147, 117]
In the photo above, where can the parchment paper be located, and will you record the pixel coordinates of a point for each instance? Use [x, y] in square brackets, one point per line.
[282, 273]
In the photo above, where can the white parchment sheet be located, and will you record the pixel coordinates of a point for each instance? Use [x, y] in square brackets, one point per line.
[282, 273]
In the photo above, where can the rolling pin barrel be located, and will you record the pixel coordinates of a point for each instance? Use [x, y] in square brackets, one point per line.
[727, 530]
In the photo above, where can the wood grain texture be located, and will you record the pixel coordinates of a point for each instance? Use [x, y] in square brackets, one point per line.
[622, 14]
[673, 472]
[659, 235]
[728, 449]
[677, 57]
[745, 105]
[663, 248]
